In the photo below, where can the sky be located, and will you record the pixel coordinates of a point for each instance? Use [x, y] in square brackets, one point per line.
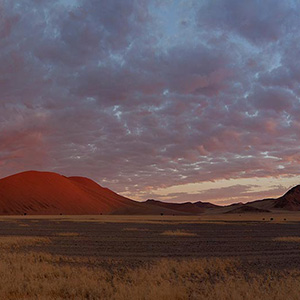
[166, 99]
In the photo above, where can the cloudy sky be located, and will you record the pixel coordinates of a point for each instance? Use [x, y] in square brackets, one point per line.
[178, 100]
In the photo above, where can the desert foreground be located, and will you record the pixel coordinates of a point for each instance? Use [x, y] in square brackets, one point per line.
[247, 256]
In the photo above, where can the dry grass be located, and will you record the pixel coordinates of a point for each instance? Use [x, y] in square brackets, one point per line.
[43, 276]
[38, 276]
[21, 241]
[23, 225]
[69, 234]
[134, 229]
[178, 232]
[287, 239]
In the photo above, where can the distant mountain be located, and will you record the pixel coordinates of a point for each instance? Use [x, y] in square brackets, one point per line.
[206, 205]
[187, 207]
[246, 209]
[290, 200]
[41, 193]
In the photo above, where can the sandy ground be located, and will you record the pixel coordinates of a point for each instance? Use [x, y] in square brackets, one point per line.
[278, 216]
[135, 240]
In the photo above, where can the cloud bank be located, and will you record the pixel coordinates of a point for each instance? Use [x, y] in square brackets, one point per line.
[146, 94]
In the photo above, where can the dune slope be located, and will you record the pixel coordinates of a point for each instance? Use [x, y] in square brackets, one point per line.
[39, 193]
[46, 193]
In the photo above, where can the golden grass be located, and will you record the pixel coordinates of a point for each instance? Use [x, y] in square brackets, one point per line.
[70, 234]
[287, 239]
[43, 276]
[134, 229]
[178, 232]
[21, 241]
[39, 276]
[23, 225]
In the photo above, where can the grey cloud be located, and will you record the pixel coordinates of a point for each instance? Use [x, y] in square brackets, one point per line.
[93, 90]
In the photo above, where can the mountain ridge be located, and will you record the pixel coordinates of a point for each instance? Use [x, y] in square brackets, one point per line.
[35, 192]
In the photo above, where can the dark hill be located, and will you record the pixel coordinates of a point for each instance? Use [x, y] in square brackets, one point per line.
[290, 200]
[246, 209]
[187, 207]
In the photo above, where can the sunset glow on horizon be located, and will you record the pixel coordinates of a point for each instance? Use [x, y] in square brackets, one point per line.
[176, 100]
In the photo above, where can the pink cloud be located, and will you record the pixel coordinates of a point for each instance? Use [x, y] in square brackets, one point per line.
[95, 90]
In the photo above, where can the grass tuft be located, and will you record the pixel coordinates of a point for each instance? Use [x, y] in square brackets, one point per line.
[178, 232]
[21, 241]
[70, 234]
[287, 239]
[134, 229]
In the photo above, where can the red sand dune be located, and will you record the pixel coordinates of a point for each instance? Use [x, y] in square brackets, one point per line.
[36, 193]
[40, 193]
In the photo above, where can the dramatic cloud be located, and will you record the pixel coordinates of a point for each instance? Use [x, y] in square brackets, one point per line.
[140, 95]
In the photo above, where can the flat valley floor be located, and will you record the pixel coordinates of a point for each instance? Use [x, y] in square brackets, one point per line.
[200, 257]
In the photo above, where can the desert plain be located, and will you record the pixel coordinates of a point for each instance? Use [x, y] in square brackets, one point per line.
[232, 256]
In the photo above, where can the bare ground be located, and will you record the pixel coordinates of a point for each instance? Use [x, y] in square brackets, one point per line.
[133, 258]
[132, 243]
